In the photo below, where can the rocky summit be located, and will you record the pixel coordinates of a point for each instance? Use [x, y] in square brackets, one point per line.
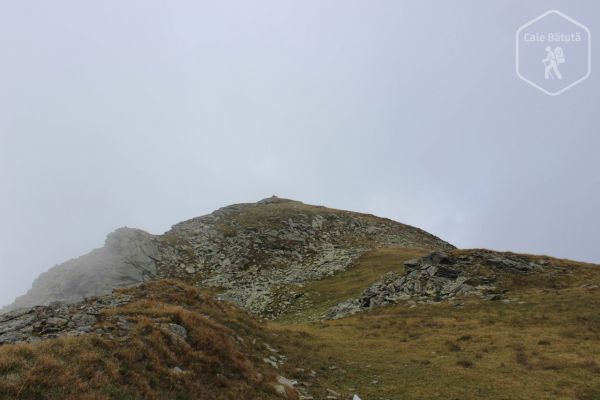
[248, 251]
[283, 300]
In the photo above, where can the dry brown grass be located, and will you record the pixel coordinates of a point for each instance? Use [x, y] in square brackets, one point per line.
[141, 365]
[486, 350]
[546, 345]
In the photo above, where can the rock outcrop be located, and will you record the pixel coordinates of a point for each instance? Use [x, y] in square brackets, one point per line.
[29, 325]
[439, 276]
[129, 256]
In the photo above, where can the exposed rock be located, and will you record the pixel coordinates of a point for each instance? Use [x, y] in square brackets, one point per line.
[589, 286]
[271, 362]
[273, 199]
[439, 276]
[54, 320]
[177, 330]
[13, 337]
[284, 387]
[190, 269]
[177, 371]
[127, 258]
[280, 390]
[83, 319]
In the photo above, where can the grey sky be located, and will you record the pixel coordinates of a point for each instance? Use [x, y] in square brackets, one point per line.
[146, 113]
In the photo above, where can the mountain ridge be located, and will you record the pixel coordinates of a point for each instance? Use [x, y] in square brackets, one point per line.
[283, 300]
[240, 239]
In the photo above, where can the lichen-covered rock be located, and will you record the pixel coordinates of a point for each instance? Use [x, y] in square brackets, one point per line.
[439, 276]
[56, 319]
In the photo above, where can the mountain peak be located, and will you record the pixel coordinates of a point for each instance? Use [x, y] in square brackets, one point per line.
[274, 200]
[246, 250]
[357, 300]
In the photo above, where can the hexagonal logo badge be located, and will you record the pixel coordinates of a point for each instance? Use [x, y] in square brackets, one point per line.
[554, 52]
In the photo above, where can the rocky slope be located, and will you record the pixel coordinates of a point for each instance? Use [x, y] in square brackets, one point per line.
[247, 251]
[160, 340]
[462, 273]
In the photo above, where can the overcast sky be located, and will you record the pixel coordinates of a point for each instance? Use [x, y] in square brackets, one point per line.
[147, 113]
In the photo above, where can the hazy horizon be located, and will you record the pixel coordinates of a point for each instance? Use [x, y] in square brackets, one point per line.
[144, 114]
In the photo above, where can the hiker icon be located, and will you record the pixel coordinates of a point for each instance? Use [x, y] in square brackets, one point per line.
[553, 59]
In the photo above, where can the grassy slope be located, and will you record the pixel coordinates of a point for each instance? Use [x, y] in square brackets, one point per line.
[140, 364]
[319, 296]
[545, 345]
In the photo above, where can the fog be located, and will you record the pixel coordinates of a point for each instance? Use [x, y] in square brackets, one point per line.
[146, 113]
